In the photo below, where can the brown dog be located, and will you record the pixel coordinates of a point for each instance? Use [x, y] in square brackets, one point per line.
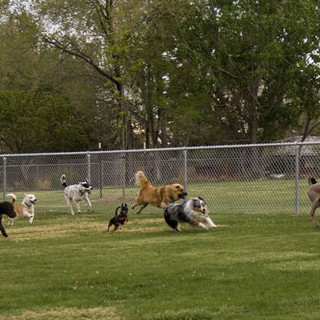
[314, 196]
[158, 197]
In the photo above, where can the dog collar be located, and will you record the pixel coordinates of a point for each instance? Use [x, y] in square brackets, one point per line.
[27, 204]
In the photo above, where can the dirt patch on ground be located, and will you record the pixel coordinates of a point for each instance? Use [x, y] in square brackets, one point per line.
[54, 231]
[70, 228]
[149, 220]
[107, 313]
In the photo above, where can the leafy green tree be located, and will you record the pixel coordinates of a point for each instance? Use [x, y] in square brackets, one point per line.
[98, 41]
[33, 122]
[260, 48]
[30, 72]
[231, 68]
[170, 72]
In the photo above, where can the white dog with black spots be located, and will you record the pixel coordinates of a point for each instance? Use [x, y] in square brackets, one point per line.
[75, 193]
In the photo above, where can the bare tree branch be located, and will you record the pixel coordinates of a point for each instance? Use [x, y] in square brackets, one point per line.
[81, 55]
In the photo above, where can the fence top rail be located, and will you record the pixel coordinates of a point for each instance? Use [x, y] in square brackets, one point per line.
[230, 146]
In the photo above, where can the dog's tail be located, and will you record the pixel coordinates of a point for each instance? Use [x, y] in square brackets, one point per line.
[141, 179]
[116, 212]
[312, 181]
[13, 197]
[63, 180]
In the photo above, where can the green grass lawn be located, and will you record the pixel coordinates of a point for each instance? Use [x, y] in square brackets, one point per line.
[251, 267]
[241, 197]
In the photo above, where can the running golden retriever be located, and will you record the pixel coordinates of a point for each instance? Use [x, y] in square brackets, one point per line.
[158, 197]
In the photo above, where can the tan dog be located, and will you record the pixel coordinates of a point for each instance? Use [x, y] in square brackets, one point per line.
[314, 196]
[158, 197]
[25, 209]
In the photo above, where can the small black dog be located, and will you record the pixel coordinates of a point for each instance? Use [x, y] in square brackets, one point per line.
[119, 219]
[6, 208]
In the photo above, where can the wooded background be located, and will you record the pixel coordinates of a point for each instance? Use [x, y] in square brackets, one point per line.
[156, 73]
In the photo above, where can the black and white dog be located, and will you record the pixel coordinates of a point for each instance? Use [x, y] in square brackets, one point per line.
[194, 211]
[8, 209]
[75, 193]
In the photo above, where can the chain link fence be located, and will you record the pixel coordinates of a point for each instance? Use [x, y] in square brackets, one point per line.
[261, 179]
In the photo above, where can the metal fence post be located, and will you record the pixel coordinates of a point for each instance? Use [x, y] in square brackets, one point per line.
[297, 174]
[89, 167]
[185, 169]
[123, 174]
[100, 174]
[4, 177]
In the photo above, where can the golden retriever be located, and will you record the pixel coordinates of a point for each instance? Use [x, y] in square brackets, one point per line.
[158, 197]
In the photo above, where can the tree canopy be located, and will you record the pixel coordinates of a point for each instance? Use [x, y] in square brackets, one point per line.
[156, 73]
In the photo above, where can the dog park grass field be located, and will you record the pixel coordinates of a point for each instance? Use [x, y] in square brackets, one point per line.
[251, 267]
[264, 197]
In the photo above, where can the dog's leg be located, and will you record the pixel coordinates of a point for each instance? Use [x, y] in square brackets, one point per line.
[210, 223]
[32, 215]
[31, 218]
[142, 207]
[314, 206]
[89, 205]
[138, 202]
[173, 223]
[10, 222]
[202, 226]
[28, 215]
[78, 206]
[3, 230]
[69, 204]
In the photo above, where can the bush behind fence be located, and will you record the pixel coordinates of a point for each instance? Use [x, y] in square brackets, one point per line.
[263, 178]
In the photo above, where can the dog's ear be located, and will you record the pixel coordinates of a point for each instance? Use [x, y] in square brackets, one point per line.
[196, 202]
[200, 198]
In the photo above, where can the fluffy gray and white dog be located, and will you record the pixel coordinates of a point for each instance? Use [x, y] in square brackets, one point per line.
[194, 211]
[75, 193]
